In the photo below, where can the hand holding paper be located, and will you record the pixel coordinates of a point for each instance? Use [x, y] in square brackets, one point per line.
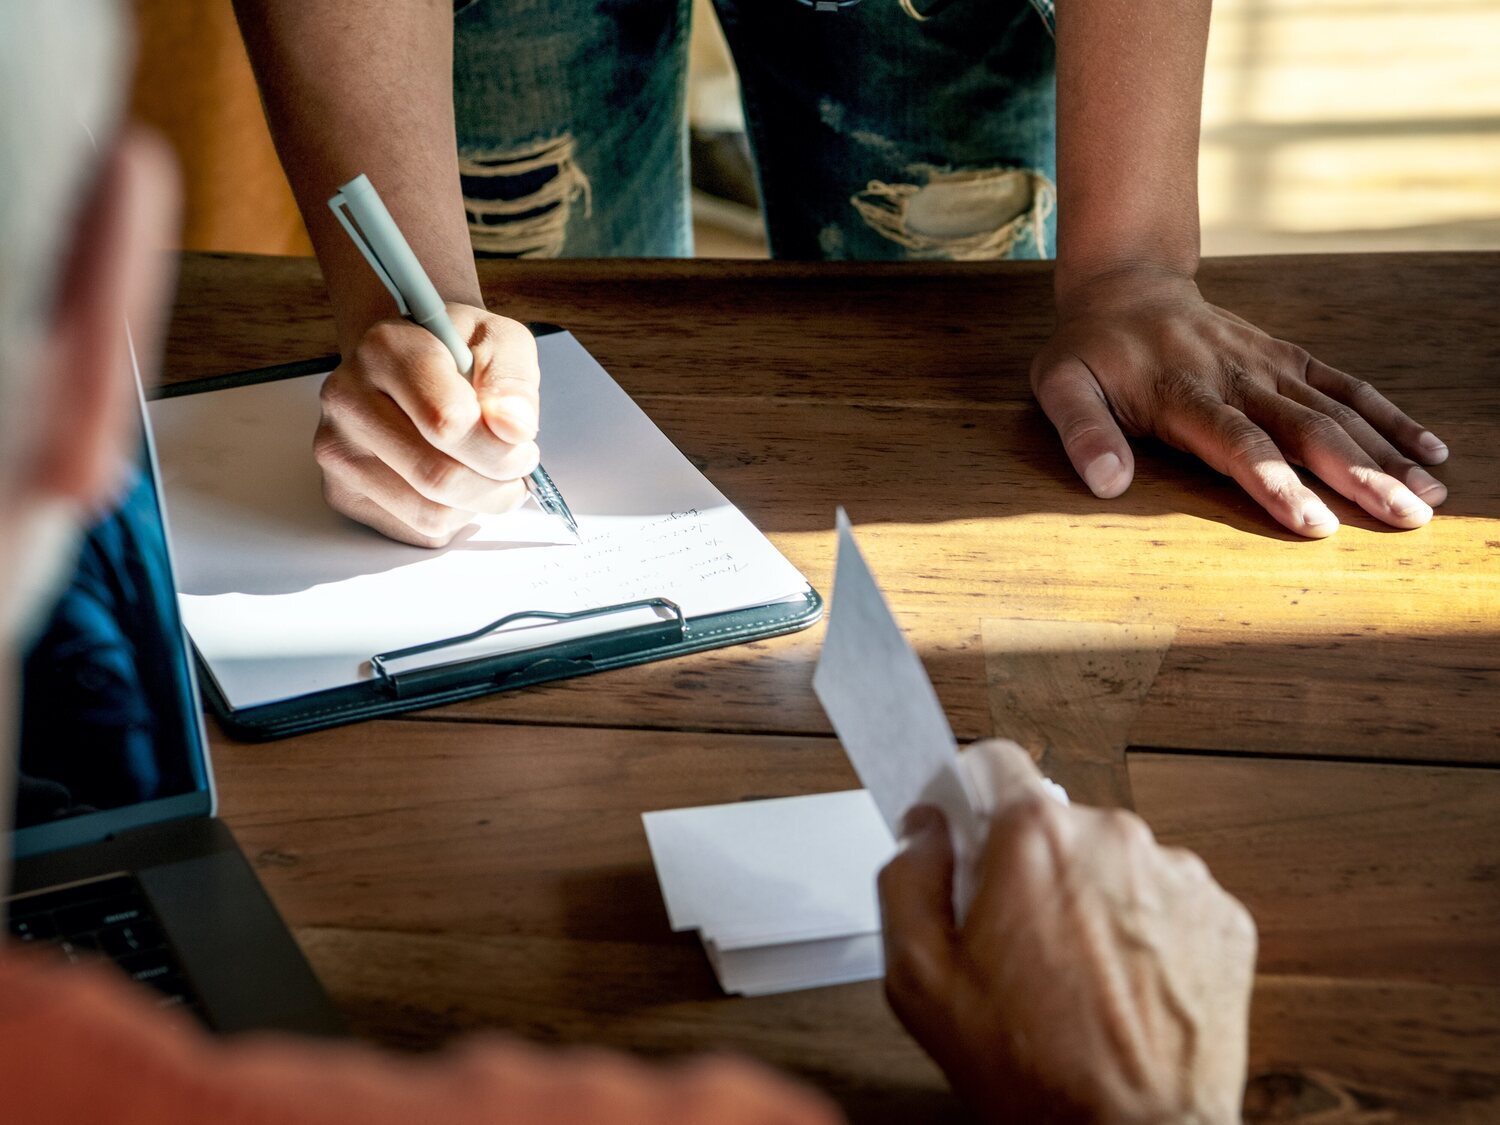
[1065, 966]
[1097, 977]
[781, 891]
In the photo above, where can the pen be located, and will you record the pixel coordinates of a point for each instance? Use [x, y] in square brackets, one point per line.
[362, 213]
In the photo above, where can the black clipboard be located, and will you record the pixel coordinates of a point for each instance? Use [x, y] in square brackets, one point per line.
[391, 691]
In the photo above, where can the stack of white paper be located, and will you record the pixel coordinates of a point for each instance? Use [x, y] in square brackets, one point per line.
[782, 892]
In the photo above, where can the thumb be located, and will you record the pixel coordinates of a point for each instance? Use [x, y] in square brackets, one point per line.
[1071, 398]
[507, 376]
[916, 906]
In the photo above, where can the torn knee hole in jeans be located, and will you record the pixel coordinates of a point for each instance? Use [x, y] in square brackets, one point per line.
[519, 200]
[961, 216]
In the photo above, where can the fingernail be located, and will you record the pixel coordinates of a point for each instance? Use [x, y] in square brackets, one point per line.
[1427, 486]
[1105, 476]
[920, 819]
[516, 413]
[1317, 518]
[1430, 444]
[1405, 505]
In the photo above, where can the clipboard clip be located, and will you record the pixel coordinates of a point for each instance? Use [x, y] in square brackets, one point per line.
[549, 662]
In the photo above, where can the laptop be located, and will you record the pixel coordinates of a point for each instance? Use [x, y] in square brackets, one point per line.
[118, 855]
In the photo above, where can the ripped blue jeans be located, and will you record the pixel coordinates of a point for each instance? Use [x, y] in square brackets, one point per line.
[875, 135]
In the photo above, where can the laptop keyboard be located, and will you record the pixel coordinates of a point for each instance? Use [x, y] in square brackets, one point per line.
[106, 920]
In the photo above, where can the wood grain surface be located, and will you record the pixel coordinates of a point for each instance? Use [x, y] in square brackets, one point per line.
[1323, 726]
[1069, 693]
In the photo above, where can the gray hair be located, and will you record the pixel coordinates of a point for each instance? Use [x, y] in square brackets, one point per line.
[62, 67]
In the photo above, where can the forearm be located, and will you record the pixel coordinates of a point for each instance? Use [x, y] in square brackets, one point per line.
[163, 1068]
[1129, 98]
[352, 86]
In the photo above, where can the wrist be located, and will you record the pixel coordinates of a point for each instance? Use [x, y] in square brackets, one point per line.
[1075, 281]
[355, 312]
[358, 296]
[1122, 287]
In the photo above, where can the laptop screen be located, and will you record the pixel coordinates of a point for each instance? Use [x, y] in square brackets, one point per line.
[110, 736]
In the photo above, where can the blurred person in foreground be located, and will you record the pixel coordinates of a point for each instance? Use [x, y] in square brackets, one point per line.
[1098, 976]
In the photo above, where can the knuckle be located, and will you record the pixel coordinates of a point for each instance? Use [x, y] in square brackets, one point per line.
[1030, 815]
[1238, 383]
[1189, 864]
[1244, 444]
[334, 396]
[1041, 810]
[337, 497]
[1178, 337]
[1033, 830]
[380, 339]
[1241, 921]
[1346, 419]
[1294, 358]
[329, 450]
[1080, 429]
[1318, 430]
[433, 522]
[1195, 868]
[1284, 488]
[1394, 465]
[447, 422]
[1236, 921]
[435, 475]
[1129, 829]
[1179, 388]
[429, 519]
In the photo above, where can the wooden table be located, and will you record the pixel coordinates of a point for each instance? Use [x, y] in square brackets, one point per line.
[1323, 727]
